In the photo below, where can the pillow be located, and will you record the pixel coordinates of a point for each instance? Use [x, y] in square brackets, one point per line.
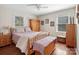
[27, 29]
[19, 29]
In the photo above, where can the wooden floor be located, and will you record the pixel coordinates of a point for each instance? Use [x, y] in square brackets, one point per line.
[61, 49]
[10, 50]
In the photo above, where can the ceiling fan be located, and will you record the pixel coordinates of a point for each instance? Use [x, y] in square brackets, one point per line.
[37, 6]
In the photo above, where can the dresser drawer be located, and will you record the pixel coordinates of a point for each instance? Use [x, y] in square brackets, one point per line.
[5, 40]
[2, 42]
[6, 36]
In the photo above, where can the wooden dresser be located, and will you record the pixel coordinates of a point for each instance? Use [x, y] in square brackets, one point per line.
[5, 39]
[71, 35]
[34, 25]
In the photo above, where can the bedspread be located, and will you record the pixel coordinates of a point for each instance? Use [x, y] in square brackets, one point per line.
[23, 40]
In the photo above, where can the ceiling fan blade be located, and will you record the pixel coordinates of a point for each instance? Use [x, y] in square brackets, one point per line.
[37, 6]
[33, 5]
[44, 7]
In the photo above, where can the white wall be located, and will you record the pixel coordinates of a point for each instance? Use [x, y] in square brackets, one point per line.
[7, 17]
[53, 17]
[77, 32]
[77, 38]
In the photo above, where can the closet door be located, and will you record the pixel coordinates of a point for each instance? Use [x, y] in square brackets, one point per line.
[35, 25]
[38, 25]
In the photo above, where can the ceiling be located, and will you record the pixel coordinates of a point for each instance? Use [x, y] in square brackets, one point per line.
[33, 10]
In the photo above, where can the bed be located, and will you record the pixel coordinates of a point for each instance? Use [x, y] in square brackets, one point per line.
[24, 40]
[44, 46]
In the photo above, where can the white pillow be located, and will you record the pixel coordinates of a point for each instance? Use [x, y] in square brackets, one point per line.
[27, 29]
[19, 29]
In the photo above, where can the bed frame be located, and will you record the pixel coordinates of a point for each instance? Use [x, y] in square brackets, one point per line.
[30, 49]
[48, 50]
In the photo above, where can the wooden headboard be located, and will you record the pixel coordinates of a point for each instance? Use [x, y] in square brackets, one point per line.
[12, 30]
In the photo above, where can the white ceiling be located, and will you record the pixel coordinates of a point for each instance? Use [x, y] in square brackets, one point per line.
[35, 11]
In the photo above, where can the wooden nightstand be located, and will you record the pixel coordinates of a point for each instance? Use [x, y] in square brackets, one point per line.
[5, 39]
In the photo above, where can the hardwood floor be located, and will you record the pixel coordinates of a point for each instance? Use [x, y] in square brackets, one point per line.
[10, 50]
[61, 49]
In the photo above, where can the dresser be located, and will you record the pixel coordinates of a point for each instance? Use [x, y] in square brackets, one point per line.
[5, 39]
[71, 35]
[34, 24]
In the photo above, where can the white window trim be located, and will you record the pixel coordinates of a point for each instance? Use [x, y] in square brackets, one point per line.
[57, 23]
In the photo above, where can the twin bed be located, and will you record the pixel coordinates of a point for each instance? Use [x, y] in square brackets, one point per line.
[24, 40]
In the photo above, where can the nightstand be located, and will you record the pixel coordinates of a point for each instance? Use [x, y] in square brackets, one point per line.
[5, 39]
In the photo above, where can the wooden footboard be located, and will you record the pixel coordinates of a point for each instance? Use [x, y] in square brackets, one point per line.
[30, 42]
[30, 49]
[48, 49]
[28, 46]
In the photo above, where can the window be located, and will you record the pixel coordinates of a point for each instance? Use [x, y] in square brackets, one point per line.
[62, 21]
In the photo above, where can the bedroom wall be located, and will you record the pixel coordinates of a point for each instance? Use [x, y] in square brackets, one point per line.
[77, 39]
[53, 17]
[7, 17]
[77, 33]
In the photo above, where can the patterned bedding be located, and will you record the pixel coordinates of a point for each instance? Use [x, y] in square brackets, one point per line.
[23, 40]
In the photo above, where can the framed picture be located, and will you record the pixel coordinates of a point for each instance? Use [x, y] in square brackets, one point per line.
[18, 21]
[52, 23]
[42, 22]
[46, 21]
